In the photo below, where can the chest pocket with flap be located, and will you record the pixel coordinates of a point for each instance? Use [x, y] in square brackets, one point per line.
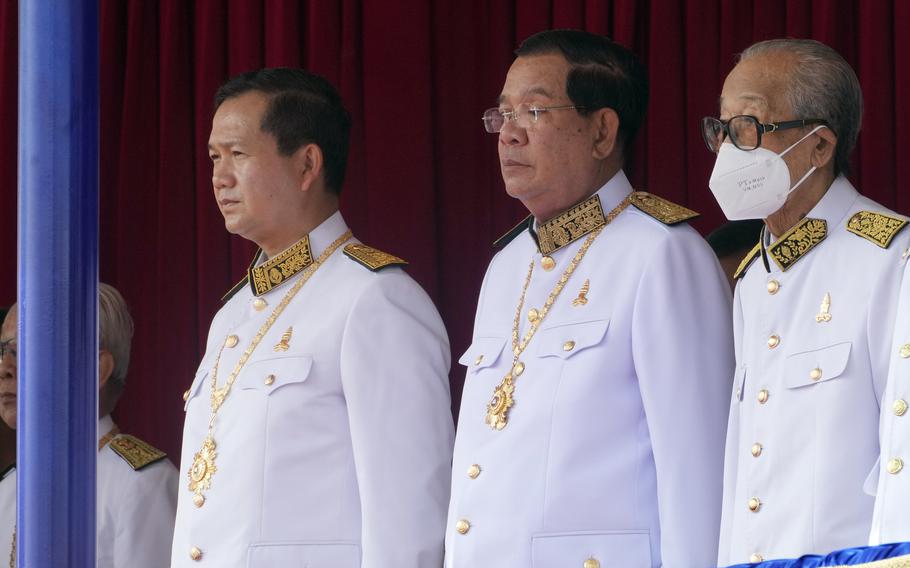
[483, 353]
[816, 366]
[269, 375]
[568, 339]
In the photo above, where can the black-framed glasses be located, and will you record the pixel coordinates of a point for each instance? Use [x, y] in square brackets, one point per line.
[525, 115]
[8, 347]
[745, 130]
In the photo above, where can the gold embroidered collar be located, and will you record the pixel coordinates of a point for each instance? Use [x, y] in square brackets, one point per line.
[275, 271]
[572, 225]
[797, 242]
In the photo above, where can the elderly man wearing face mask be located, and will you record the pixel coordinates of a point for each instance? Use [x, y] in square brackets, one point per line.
[813, 308]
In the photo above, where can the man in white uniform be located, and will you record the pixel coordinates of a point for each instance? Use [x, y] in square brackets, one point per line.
[891, 518]
[318, 431]
[137, 485]
[592, 421]
[813, 307]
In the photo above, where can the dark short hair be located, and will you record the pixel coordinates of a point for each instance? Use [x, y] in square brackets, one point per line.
[735, 237]
[303, 109]
[603, 74]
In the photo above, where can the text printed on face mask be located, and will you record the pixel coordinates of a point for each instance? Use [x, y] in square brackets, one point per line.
[748, 185]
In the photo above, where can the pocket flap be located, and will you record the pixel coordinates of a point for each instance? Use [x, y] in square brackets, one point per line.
[816, 366]
[629, 549]
[565, 340]
[482, 353]
[269, 375]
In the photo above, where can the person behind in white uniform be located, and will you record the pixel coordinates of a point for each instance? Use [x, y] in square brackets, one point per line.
[318, 429]
[891, 521]
[813, 308]
[137, 485]
[592, 421]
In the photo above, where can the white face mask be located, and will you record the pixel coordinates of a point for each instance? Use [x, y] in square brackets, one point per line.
[753, 184]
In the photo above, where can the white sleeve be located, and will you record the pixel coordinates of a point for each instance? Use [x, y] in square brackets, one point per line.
[682, 346]
[394, 370]
[144, 524]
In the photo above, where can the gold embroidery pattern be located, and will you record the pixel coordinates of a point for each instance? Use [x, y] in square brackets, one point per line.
[275, 271]
[373, 259]
[571, 225]
[747, 261]
[501, 402]
[796, 242]
[876, 227]
[664, 211]
[136, 452]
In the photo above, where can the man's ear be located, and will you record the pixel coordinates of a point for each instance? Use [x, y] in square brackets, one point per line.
[105, 367]
[309, 163]
[606, 132]
[825, 147]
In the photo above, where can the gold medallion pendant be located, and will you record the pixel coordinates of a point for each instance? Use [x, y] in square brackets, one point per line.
[502, 401]
[203, 468]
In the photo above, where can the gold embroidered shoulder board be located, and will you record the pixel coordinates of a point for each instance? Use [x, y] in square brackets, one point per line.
[664, 211]
[876, 227]
[373, 259]
[237, 287]
[136, 452]
[747, 261]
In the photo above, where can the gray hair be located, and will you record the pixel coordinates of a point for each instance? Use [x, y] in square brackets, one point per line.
[821, 85]
[115, 328]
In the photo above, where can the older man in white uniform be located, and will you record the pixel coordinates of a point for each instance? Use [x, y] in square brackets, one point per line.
[891, 517]
[592, 420]
[137, 485]
[318, 431]
[813, 307]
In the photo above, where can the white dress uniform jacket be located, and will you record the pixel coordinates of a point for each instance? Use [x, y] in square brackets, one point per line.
[891, 519]
[812, 348]
[613, 451]
[334, 452]
[135, 510]
[7, 512]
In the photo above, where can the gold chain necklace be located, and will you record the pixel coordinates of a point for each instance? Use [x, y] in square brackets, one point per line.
[203, 467]
[503, 399]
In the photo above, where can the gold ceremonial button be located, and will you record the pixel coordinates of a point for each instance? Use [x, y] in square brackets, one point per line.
[754, 504]
[591, 563]
[905, 350]
[763, 396]
[547, 263]
[479, 360]
[518, 368]
[474, 471]
[259, 304]
[756, 449]
[198, 500]
[463, 526]
[269, 380]
[773, 286]
[195, 553]
[533, 315]
[815, 374]
[773, 341]
[568, 346]
[231, 341]
[186, 395]
[895, 465]
[756, 558]
[899, 407]
[739, 393]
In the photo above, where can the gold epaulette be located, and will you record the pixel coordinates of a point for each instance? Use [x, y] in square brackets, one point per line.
[747, 261]
[664, 211]
[136, 452]
[876, 227]
[513, 232]
[371, 258]
[237, 287]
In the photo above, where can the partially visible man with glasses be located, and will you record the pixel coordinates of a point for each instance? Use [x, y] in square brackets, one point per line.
[813, 306]
[592, 419]
[137, 484]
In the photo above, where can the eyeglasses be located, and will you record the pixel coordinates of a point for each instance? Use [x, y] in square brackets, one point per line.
[744, 130]
[8, 347]
[525, 116]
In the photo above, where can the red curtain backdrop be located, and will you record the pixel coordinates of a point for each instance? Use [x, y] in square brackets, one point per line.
[423, 179]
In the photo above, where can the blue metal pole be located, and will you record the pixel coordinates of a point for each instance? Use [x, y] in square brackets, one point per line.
[58, 282]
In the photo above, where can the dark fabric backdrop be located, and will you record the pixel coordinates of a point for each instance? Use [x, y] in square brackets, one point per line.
[423, 180]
